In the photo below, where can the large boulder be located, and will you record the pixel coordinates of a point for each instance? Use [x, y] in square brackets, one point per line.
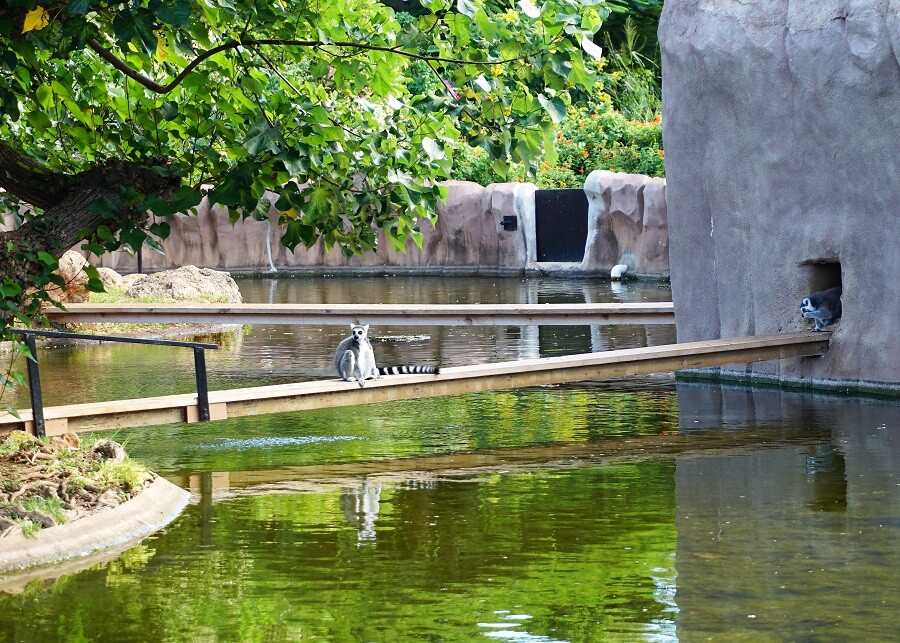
[111, 279]
[71, 269]
[188, 283]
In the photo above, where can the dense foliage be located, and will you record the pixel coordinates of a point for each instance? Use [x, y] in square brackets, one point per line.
[114, 109]
[594, 138]
[617, 125]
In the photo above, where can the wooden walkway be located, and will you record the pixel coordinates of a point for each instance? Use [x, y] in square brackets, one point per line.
[375, 314]
[452, 381]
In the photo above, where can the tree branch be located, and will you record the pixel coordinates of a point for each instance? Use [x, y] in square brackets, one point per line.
[154, 86]
[29, 181]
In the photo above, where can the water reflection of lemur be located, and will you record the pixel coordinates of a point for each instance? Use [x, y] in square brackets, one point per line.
[824, 306]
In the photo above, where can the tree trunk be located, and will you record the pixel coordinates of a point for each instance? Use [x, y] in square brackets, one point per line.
[68, 212]
[69, 201]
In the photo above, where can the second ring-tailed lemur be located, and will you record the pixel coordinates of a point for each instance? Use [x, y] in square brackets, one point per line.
[355, 359]
[824, 306]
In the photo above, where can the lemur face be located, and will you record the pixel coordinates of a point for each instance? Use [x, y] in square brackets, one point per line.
[359, 333]
[807, 308]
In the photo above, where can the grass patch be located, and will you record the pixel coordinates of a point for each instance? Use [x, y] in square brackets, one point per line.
[118, 296]
[129, 475]
[52, 507]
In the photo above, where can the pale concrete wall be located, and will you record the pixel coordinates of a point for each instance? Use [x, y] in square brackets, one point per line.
[781, 122]
[627, 215]
[468, 237]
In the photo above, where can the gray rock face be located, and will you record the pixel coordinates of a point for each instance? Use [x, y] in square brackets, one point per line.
[626, 216]
[782, 129]
[467, 238]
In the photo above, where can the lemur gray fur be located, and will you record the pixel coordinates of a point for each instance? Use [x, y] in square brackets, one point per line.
[824, 306]
[355, 359]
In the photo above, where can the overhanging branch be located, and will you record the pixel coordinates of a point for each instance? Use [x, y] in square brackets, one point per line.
[154, 86]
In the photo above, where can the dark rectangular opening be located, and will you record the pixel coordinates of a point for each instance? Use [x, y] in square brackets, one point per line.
[822, 274]
[560, 224]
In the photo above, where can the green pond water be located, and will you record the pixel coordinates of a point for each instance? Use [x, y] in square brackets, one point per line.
[630, 510]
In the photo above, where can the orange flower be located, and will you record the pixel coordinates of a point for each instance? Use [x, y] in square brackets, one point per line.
[662, 154]
[585, 153]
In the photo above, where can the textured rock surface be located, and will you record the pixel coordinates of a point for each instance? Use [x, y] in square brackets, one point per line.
[630, 217]
[781, 125]
[71, 268]
[468, 237]
[626, 215]
[186, 284]
[110, 278]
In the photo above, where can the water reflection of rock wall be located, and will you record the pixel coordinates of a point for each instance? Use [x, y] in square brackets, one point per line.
[763, 537]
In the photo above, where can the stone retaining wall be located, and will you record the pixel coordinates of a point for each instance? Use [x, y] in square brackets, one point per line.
[627, 216]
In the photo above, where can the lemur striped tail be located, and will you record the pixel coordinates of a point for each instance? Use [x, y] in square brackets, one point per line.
[409, 370]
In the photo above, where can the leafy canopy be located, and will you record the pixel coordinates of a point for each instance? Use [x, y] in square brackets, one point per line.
[240, 99]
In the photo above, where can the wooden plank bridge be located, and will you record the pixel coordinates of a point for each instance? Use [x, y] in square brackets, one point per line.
[452, 381]
[375, 314]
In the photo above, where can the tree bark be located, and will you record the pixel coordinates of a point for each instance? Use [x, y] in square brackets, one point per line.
[67, 199]
[29, 181]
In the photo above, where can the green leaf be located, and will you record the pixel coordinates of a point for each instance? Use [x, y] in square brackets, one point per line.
[172, 12]
[10, 289]
[554, 106]
[169, 110]
[529, 9]
[261, 137]
[591, 49]
[433, 150]
[466, 7]
[47, 259]
[104, 207]
[105, 234]
[44, 96]
[78, 7]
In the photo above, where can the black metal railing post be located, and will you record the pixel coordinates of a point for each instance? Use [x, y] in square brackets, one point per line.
[202, 388]
[34, 380]
[34, 387]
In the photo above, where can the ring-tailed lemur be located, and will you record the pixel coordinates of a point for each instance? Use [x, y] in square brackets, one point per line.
[824, 306]
[355, 359]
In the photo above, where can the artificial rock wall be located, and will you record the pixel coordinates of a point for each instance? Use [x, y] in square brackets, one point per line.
[467, 238]
[626, 216]
[782, 129]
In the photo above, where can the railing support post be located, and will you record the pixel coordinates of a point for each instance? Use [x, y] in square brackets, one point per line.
[202, 386]
[34, 387]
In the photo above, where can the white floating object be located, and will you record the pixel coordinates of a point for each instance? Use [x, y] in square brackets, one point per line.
[618, 270]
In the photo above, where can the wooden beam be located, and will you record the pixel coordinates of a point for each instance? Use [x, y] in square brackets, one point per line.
[375, 314]
[456, 380]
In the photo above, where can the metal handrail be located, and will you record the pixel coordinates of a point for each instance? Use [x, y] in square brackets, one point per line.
[34, 377]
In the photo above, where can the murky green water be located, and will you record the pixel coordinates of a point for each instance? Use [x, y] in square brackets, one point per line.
[631, 510]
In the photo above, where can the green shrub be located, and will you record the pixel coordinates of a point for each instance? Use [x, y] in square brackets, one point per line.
[594, 138]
